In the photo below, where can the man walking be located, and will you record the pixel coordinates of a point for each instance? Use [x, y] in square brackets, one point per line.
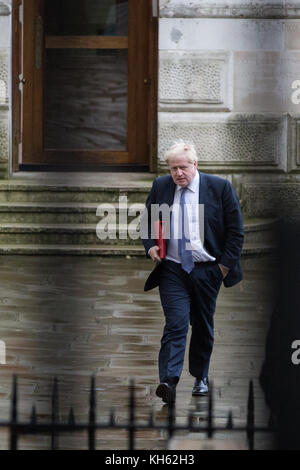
[191, 274]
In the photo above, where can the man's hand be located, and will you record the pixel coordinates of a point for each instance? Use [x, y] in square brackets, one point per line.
[154, 253]
[224, 270]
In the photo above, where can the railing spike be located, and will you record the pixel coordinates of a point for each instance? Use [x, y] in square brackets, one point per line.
[55, 414]
[14, 415]
[210, 412]
[112, 417]
[272, 425]
[151, 417]
[92, 415]
[33, 415]
[55, 410]
[190, 420]
[131, 426]
[229, 421]
[71, 418]
[14, 399]
[171, 418]
[250, 416]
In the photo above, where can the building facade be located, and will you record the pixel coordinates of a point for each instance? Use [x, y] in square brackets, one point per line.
[224, 75]
[228, 72]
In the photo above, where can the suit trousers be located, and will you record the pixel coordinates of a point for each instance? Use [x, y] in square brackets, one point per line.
[187, 299]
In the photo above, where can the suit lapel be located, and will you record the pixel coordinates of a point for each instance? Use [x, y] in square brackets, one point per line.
[202, 199]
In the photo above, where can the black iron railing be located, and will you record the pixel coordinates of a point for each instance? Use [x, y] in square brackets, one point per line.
[55, 427]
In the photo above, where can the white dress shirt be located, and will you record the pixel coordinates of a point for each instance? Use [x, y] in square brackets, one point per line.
[192, 202]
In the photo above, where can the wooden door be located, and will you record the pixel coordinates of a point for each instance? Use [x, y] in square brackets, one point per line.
[86, 74]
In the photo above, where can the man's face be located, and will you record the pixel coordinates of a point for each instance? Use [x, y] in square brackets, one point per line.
[182, 171]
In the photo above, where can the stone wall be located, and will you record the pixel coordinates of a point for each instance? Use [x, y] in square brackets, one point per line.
[5, 63]
[225, 83]
[230, 8]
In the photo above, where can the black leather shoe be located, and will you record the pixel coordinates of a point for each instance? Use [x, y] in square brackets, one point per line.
[200, 387]
[167, 392]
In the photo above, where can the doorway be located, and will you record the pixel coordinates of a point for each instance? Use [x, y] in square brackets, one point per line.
[85, 85]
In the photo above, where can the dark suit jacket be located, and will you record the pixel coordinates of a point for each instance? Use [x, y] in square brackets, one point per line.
[223, 224]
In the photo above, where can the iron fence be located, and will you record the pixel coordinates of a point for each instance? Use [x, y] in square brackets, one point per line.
[55, 427]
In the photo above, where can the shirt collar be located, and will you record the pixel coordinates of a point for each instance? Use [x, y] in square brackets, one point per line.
[193, 184]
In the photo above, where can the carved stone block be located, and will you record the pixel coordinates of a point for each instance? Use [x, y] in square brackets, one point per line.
[231, 142]
[3, 77]
[4, 142]
[195, 81]
[229, 9]
[271, 200]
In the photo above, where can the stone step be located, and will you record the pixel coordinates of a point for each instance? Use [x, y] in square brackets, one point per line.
[106, 250]
[57, 193]
[253, 249]
[62, 213]
[58, 213]
[61, 234]
[256, 232]
[86, 212]
[80, 250]
[260, 230]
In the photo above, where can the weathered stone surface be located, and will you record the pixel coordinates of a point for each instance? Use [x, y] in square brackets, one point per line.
[64, 213]
[272, 199]
[56, 193]
[5, 36]
[294, 143]
[259, 84]
[243, 141]
[292, 30]
[212, 34]
[3, 78]
[195, 81]
[229, 8]
[4, 143]
[3, 170]
[78, 250]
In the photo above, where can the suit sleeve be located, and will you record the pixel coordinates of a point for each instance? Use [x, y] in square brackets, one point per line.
[148, 242]
[234, 231]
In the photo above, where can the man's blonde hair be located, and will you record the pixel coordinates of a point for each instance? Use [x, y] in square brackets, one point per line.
[184, 148]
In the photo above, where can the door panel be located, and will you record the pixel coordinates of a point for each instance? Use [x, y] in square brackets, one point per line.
[97, 18]
[86, 99]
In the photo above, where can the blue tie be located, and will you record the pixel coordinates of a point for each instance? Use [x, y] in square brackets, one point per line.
[187, 262]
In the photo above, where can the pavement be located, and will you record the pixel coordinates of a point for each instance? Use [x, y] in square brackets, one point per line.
[71, 317]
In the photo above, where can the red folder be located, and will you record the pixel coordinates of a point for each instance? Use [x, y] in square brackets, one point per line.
[160, 233]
